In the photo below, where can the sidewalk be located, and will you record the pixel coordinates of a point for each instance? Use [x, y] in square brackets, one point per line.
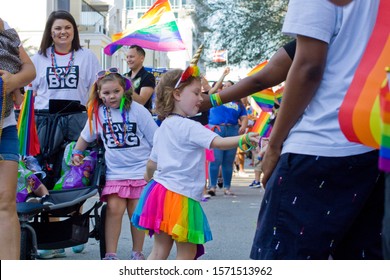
[232, 220]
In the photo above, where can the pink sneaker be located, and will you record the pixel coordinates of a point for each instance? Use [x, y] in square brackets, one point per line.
[137, 256]
[110, 257]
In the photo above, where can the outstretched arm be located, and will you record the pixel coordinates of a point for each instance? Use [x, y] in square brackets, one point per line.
[271, 75]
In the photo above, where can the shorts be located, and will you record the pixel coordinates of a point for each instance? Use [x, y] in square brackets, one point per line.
[130, 189]
[316, 207]
[257, 165]
[9, 144]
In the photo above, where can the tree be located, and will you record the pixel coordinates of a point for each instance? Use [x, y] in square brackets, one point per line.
[249, 30]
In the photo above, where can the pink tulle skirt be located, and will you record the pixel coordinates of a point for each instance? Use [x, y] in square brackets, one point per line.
[130, 189]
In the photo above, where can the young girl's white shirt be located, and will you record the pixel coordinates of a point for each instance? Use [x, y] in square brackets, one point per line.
[129, 161]
[179, 149]
[318, 131]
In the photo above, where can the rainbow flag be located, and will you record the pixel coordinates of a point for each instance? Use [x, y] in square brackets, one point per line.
[155, 30]
[359, 115]
[384, 151]
[265, 99]
[257, 68]
[27, 130]
[262, 125]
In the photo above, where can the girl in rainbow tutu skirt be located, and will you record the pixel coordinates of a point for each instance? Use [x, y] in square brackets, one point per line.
[169, 207]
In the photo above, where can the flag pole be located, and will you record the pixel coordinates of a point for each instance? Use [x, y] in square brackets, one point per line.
[227, 58]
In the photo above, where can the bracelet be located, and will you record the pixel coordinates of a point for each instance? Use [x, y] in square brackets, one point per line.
[77, 152]
[215, 99]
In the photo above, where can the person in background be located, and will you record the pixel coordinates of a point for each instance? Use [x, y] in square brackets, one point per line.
[224, 121]
[12, 78]
[143, 81]
[65, 71]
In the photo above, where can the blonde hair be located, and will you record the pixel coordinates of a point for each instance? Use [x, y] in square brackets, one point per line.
[165, 102]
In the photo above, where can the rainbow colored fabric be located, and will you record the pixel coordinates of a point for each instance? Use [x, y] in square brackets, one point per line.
[384, 151]
[359, 114]
[155, 30]
[262, 124]
[27, 130]
[160, 209]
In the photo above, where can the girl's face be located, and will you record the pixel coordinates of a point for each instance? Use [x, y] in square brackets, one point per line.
[111, 93]
[62, 32]
[189, 99]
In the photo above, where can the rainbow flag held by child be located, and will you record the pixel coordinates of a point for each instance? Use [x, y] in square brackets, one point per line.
[155, 30]
[27, 130]
[262, 124]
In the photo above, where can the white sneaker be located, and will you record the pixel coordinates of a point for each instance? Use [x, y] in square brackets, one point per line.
[242, 174]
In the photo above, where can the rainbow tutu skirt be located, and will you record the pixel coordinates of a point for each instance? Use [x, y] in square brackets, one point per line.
[181, 217]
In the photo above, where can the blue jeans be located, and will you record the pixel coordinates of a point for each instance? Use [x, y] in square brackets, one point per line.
[223, 158]
[9, 144]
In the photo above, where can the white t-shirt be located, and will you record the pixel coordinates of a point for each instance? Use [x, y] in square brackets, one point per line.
[75, 86]
[129, 161]
[10, 120]
[347, 31]
[179, 150]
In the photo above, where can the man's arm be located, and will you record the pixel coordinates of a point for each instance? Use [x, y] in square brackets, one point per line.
[144, 95]
[271, 75]
[303, 79]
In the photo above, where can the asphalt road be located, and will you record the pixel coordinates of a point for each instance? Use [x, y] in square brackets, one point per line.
[232, 220]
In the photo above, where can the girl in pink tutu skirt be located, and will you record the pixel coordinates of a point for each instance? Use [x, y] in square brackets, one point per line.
[169, 205]
[126, 128]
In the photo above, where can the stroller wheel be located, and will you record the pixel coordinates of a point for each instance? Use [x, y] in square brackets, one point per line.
[26, 245]
[102, 235]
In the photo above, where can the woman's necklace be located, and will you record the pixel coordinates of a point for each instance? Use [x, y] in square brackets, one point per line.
[108, 120]
[55, 66]
[178, 115]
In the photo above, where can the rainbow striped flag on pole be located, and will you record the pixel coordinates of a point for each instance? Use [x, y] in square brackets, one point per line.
[155, 30]
[27, 130]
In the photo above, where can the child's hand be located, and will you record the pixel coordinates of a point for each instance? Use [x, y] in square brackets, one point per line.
[77, 159]
[226, 71]
[254, 137]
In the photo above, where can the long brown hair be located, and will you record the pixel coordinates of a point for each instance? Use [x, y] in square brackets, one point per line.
[47, 40]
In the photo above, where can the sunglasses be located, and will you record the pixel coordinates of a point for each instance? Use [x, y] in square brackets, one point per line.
[113, 70]
[103, 73]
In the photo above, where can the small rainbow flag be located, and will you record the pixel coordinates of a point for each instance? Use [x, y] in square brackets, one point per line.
[265, 99]
[155, 30]
[384, 151]
[359, 115]
[262, 125]
[27, 130]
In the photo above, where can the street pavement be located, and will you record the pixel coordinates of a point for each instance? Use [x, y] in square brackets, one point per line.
[232, 220]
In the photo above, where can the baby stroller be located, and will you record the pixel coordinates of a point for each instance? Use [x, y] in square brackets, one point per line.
[56, 129]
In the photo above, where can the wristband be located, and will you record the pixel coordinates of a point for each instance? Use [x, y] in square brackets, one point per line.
[77, 152]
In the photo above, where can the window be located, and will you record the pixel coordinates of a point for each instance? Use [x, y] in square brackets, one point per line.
[63, 5]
